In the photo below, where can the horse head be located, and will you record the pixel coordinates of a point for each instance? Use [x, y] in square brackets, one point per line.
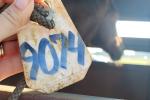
[96, 23]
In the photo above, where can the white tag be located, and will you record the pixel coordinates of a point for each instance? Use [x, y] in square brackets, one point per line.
[53, 59]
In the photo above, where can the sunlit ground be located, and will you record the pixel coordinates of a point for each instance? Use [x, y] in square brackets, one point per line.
[129, 57]
[129, 29]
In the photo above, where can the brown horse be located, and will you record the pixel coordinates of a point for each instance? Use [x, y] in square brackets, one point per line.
[95, 21]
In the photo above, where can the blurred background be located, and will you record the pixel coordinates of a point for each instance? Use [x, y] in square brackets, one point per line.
[128, 77]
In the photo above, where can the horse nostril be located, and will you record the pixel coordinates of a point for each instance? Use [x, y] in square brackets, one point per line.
[117, 52]
[116, 55]
[117, 48]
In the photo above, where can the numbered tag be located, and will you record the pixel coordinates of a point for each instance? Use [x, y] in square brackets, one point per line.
[53, 59]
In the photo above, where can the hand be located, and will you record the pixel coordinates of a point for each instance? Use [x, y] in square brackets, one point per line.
[11, 20]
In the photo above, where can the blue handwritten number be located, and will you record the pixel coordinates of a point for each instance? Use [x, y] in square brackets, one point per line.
[38, 59]
[63, 39]
[80, 49]
[34, 59]
[42, 62]
[69, 45]
[63, 52]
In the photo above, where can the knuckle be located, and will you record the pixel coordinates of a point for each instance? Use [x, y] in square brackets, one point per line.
[12, 15]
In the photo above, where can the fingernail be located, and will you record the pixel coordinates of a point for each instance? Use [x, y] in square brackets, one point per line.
[21, 4]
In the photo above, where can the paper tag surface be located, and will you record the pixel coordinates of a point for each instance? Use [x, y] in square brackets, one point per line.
[53, 59]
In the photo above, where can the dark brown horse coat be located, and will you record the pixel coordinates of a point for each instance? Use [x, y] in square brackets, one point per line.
[95, 21]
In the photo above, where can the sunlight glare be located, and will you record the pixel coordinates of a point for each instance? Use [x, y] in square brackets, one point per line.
[133, 29]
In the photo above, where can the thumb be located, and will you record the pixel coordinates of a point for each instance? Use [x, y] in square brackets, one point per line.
[14, 17]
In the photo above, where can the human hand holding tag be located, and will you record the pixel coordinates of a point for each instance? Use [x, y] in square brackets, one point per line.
[12, 19]
[18, 19]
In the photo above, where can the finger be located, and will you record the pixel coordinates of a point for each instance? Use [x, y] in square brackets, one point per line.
[39, 1]
[7, 1]
[14, 17]
[1, 3]
[10, 1]
[10, 64]
[9, 39]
